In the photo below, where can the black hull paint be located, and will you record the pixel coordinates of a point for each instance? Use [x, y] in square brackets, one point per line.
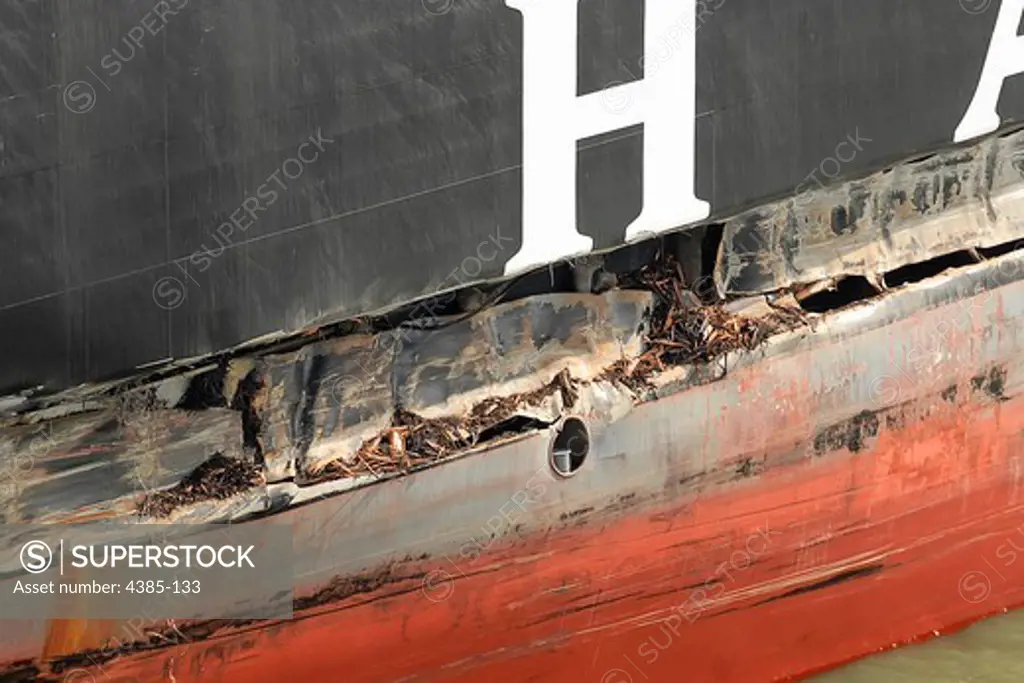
[112, 185]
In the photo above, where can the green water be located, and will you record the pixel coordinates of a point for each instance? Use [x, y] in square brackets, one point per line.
[988, 652]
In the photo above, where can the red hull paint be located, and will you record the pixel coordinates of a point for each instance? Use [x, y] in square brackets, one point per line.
[805, 566]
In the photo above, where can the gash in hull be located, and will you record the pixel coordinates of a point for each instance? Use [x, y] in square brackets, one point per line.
[850, 484]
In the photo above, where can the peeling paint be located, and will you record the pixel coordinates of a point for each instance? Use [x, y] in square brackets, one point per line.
[907, 214]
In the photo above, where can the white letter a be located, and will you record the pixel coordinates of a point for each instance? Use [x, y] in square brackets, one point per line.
[1005, 58]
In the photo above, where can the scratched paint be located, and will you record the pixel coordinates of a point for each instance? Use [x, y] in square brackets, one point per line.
[877, 492]
[761, 569]
[906, 214]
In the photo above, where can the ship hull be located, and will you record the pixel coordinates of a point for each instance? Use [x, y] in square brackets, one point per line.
[203, 168]
[848, 485]
[817, 503]
[618, 603]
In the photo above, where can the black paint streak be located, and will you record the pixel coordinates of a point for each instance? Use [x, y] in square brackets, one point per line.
[749, 468]
[584, 608]
[850, 434]
[20, 672]
[842, 577]
[992, 383]
[303, 421]
[840, 222]
[566, 516]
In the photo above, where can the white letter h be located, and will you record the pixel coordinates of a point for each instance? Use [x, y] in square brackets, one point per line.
[555, 119]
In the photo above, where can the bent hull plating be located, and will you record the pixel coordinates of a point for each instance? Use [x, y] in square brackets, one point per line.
[817, 502]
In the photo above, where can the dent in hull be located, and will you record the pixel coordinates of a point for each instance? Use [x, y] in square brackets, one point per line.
[779, 509]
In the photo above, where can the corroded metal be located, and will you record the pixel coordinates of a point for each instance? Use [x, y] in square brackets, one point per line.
[325, 400]
[853, 443]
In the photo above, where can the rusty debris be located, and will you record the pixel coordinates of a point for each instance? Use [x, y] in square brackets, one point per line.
[412, 440]
[217, 478]
[683, 330]
[632, 374]
[493, 410]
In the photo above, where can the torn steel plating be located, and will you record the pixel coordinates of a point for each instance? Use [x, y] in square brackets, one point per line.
[326, 400]
[913, 212]
[819, 395]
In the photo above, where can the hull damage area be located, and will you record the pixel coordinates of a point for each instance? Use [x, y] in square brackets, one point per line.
[549, 375]
[771, 580]
[772, 499]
